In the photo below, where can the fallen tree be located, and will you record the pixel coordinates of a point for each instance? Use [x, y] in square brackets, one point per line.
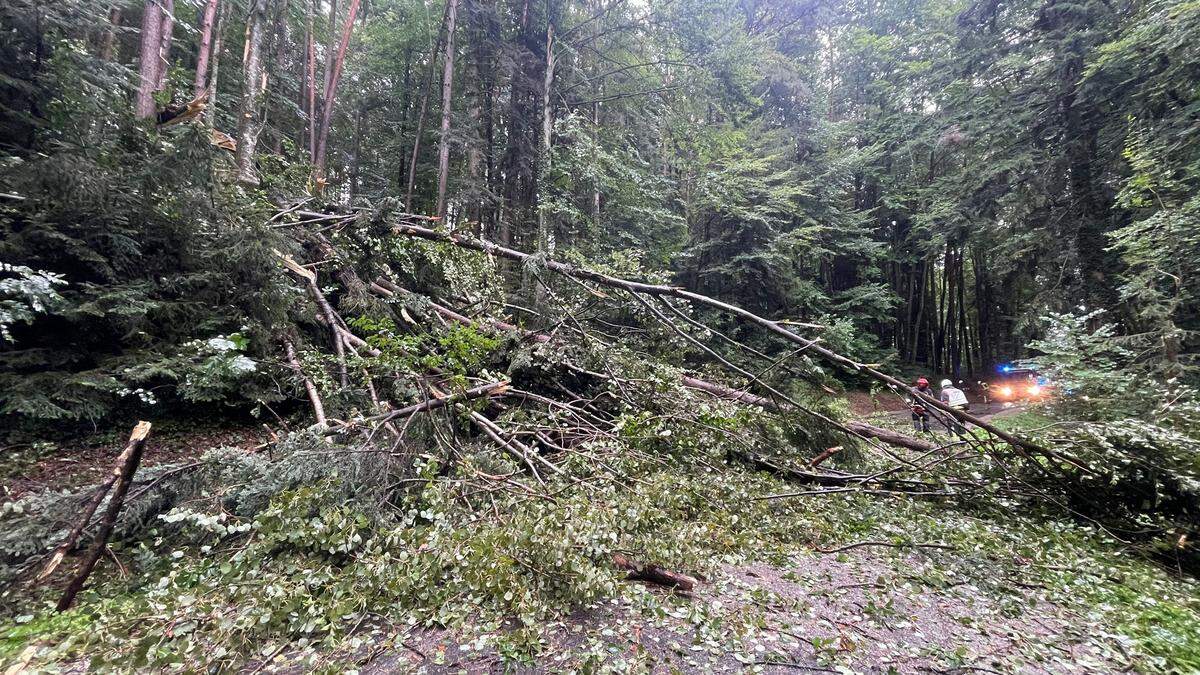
[389, 289]
[409, 228]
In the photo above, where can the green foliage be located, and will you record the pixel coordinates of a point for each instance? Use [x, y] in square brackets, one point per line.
[1136, 432]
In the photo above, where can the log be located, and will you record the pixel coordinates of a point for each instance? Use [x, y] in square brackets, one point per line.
[892, 437]
[137, 441]
[654, 574]
[825, 454]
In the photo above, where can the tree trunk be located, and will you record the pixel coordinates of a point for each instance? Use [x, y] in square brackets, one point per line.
[356, 159]
[545, 242]
[416, 151]
[280, 35]
[447, 107]
[330, 50]
[310, 79]
[164, 43]
[401, 174]
[331, 90]
[137, 442]
[151, 42]
[206, 36]
[214, 82]
[250, 121]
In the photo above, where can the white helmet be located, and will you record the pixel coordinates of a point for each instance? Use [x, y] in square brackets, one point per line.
[946, 383]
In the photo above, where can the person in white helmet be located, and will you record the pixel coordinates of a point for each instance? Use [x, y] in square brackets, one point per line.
[955, 398]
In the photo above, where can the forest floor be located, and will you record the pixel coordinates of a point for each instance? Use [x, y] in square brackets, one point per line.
[865, 610]
[988, 593]
[35, 467]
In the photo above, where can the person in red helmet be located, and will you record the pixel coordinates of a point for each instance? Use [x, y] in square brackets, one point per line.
[920, 415]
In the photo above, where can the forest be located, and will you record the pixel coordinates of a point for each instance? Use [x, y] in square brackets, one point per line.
[600, 336]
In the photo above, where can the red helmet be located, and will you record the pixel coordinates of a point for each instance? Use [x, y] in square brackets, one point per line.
[922, 382]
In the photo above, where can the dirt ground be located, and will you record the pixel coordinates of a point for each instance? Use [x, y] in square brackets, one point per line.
[87, 460]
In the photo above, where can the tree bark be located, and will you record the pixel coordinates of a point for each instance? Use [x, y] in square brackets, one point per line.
[545, 243]
[416, 151]
[310, 80]
[132, 457]
[331, 90]
[109, 40]
[250, 120]
[447, 108]
[206, 36]
[151, 42]
[214, 82]
[330, 50]
[654, 574]
[102, 490]
[164, 43]
[311, 389]
[356, 158]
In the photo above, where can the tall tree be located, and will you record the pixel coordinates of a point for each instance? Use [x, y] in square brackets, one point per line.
[207, 23]
[447, 108]
[149, 59]
[250, 115]
[335, 74]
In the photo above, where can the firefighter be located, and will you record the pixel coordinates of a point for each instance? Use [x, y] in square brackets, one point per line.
[955, 398]
[920, 416]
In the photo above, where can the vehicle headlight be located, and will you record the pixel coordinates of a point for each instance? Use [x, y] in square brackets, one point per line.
[1006, 392]
[1034, 390]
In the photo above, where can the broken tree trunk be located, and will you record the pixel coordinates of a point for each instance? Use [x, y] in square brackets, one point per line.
[654, 574]
[132, 457]
[313, 397]
[72, 540]
[892, 437]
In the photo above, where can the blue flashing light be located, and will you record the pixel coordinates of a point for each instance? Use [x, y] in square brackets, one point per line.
[1006, 368]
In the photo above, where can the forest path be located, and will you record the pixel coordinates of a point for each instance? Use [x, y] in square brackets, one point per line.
[865, 610]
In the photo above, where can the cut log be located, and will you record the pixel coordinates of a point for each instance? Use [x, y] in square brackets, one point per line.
[654, 574]
[137, 441]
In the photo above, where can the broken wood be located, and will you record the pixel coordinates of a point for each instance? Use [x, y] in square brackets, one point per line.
[490, 389]
[892, 437]
[654, 574]
[825, 454]
[72, 539]
[132, 457]
[313, 397]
